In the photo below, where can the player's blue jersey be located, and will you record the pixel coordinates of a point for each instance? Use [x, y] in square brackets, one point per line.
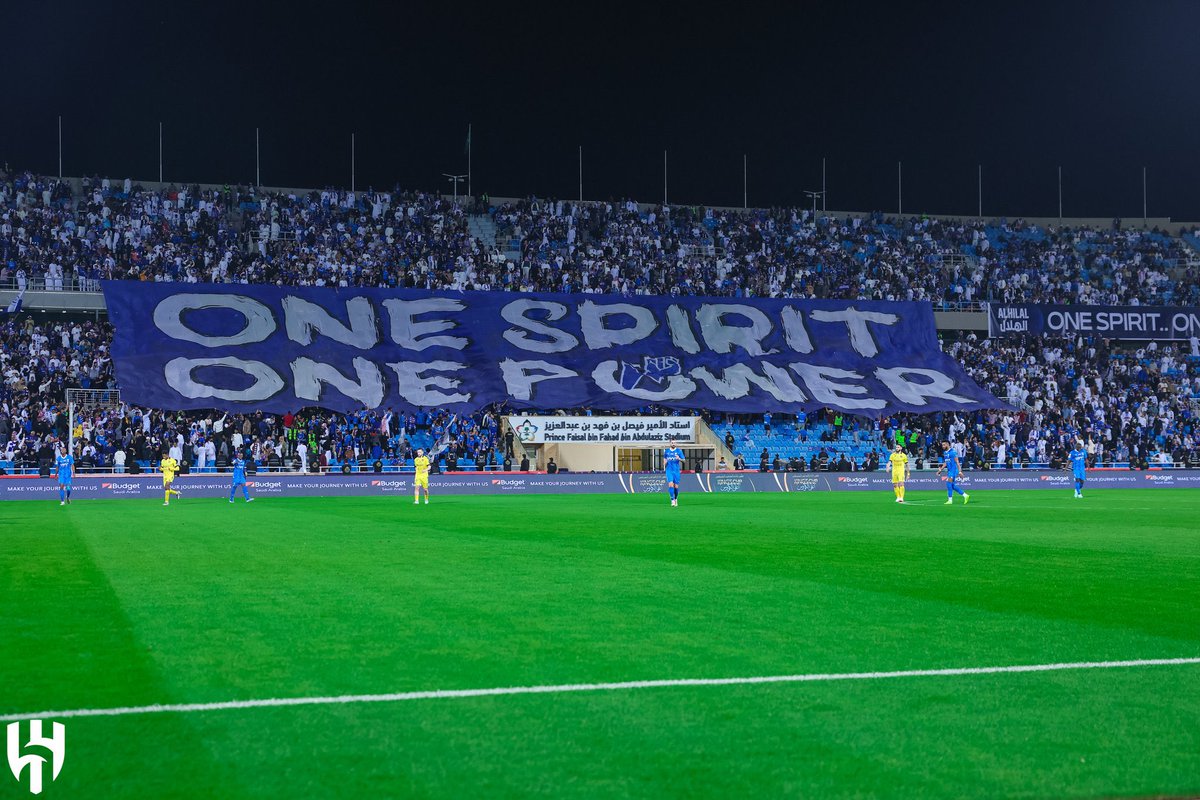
[239, 470]
[64, 465]
[673, 459]
[1078, 461]
[951, 458]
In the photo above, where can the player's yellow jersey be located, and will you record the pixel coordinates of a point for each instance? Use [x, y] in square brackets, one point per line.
[422, 465]
[169, 467]
[899, 462]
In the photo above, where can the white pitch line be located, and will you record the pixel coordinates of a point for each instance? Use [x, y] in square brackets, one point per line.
[450, 694]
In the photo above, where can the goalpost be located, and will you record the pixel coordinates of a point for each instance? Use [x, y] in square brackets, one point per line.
[88, 401]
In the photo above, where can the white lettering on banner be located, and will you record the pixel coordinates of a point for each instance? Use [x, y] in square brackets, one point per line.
[605, 376]
[309, 375]
[410, 334]
[795, 332]
[259, 322]
[267, 382]
[1128, 322]
[1186, 324]
[907, 391]
[1120, 322]
[681, 330]
[598, 336]
[824, 389]
[722, 338]
[735, 382]
[420, 390]
[1007, 319]
[856, 323]
[515, 312]
[602, 430]
[303, 319]
[520, 376]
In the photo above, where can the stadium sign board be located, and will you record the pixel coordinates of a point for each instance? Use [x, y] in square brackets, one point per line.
[278, 349]
[603, 430]
[1107, 322]
[198, 488]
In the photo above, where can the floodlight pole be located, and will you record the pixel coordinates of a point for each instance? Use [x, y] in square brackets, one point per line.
[581, 173]
[60, 147]
[899, 189]
[814, 194]
[160, 154]
[824, 191]
[352, 163]
[1060, 195]
[257, 171]
[1144, 214]
[456, 180]
[980, 167]
[745, 183]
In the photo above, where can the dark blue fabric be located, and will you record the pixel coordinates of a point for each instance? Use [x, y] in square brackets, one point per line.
[281, 351]
[1108, 322]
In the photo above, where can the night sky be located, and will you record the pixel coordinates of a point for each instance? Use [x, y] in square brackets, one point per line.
[1101, 89]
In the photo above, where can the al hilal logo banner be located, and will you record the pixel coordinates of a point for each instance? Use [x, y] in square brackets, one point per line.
[56, 743]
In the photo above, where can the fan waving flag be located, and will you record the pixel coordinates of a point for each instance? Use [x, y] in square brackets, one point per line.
[15, 306]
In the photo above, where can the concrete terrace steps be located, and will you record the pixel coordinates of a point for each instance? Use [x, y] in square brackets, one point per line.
[482, 228]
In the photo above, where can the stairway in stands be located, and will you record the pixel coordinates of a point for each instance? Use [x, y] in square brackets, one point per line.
[482, 228]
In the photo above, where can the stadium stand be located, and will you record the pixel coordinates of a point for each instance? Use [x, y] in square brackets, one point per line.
[55, 236]
[1134, 406]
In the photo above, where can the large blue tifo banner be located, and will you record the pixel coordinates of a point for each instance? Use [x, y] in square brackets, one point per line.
[277, 349]
[1107, 322]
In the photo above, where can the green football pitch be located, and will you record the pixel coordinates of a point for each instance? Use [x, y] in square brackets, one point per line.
[125, 604]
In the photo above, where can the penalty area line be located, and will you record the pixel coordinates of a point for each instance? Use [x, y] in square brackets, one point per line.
[564, 688]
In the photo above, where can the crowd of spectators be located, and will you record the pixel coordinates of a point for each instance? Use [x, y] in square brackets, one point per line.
[1129, 405]
[39, 362]
[1136, 406]
[1133, 406]
[53, 234]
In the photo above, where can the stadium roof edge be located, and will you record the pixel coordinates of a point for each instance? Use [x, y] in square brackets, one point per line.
[1162, 223]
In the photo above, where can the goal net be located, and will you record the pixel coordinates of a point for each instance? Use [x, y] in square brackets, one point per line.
[85, 402]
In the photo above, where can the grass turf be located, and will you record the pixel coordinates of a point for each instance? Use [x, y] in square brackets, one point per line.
[121, 603]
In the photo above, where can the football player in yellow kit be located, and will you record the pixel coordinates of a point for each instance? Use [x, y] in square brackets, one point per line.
[421, 481]
[898, 461]
[170, 468]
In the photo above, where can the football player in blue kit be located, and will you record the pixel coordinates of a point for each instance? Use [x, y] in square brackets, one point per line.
[673, 468]
[953, 470]
[64, 465]
[1078, 458]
